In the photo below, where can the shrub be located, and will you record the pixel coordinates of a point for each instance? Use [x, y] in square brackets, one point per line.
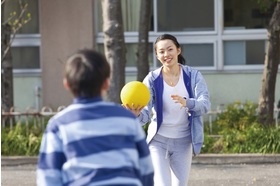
[237, 116]
[240, 132]
[235, 130]
[20, 141]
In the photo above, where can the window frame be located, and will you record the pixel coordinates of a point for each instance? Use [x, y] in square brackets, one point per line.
[27, 40]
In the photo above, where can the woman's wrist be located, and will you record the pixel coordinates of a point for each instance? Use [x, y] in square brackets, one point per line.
[187, 109]
[185, 101]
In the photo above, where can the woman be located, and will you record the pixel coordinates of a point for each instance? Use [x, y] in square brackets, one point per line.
[179, 97]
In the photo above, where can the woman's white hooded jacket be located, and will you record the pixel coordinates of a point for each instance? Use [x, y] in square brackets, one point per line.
[198, 104]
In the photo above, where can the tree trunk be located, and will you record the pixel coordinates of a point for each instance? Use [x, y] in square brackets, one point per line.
[267, 96]
[143, 42]
[7, 69]
[114, 46]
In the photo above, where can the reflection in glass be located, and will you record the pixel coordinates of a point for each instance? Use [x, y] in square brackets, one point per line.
[131, 54]
[25, 57]
[32, 27]
[240, 14]
[130, 15]
[185, 15]
[198, 54]
[244, 52]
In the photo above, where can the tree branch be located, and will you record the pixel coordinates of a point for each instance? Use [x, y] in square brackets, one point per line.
[19, 22]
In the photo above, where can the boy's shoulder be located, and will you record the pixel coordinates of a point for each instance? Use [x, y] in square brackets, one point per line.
[79, 112]
[93, 110]
[121, 111]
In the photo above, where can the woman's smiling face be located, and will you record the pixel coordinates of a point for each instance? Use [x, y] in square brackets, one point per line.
[167, 52]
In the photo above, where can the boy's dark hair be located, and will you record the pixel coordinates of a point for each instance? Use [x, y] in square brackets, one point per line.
[86, 72]
[181, 59]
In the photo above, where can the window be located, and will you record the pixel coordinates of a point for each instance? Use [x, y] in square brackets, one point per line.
[131, 54]
[245, 36]
[32, 27]
[130, 15]
[25, 57]
[25, 47]
[240, 14]
[215, 35]
[178, 15]
[205, 57]
[244, 52]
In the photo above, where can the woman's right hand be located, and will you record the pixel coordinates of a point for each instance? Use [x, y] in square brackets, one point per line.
[134, 109]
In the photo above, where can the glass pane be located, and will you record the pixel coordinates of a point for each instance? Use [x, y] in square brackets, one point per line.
[131, 54]
[130, 15]
[99, 16]
[178, 15]
[198, 54]
[244, 52]
[31, 27]
[25, 57]
[240, 14]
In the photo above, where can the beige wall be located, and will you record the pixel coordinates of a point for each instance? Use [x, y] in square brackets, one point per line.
[65, 26]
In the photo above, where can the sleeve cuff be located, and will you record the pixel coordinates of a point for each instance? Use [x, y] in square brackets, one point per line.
[190, 103]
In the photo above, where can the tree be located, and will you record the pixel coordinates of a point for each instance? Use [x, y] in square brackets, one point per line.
[267, 95]
[9, 28]
[143, 39]
[114, 46]
[7, 69]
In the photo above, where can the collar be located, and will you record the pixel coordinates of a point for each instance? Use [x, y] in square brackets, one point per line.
[87, 99]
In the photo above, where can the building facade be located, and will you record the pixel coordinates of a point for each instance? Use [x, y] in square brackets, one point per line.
[225, 39]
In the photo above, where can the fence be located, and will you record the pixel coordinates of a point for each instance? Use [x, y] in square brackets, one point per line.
[221, 109]
[39, 118]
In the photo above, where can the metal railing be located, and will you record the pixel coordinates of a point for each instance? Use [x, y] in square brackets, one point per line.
[40, 118]
[212, 113]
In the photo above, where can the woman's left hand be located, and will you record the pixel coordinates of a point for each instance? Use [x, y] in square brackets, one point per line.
[179, 99]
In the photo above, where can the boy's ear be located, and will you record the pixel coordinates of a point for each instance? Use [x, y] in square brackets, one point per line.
[106, 84]
[65, 84]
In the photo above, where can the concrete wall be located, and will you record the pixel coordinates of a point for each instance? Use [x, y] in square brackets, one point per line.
[66, 26]
[25, 93]
[226, 88]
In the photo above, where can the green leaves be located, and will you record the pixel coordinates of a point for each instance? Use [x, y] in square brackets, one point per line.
[20, 141]
[240, 132]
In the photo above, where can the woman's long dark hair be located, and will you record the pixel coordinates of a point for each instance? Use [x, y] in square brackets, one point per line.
[181, 59]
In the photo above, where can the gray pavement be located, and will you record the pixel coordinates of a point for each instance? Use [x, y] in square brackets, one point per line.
[207, 170]
[235, 175]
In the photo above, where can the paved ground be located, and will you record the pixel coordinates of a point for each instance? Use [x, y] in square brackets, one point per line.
[23, 175]
[235, 175]
[214, 171]
[201, 175]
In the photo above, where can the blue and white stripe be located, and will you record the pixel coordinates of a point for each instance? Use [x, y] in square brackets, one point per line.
[94, 143]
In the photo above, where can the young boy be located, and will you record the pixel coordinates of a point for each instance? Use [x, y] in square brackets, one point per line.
[93, 142]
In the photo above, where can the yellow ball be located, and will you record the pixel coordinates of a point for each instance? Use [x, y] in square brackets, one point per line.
[135, 92]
